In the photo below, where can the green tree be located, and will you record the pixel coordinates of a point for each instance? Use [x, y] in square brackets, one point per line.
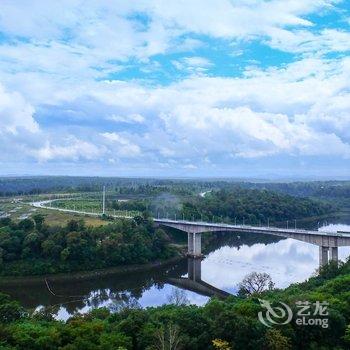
[39, 220]
[26, 224]
[276, 341]
[10, 310]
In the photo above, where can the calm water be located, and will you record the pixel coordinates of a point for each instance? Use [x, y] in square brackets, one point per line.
[229, 258]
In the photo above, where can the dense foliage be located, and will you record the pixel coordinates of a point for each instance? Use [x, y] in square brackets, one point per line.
[230, 205]
[31, 247]
[337, 192]
[306, 188]
[228, 324]
[253, 206]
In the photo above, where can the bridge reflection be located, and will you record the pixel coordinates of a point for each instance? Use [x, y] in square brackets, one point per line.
[194, 281]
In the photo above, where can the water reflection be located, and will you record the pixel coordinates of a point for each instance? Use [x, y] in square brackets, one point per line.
[287, 261]
[229, 257]
[194, 282]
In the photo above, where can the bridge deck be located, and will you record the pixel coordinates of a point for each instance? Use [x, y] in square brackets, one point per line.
[248, 228]
[225, 227]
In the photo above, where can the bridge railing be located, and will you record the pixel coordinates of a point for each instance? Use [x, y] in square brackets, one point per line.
[47, 204]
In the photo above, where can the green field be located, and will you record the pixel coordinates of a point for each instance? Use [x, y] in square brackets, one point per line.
[21, 209]
[90, 205]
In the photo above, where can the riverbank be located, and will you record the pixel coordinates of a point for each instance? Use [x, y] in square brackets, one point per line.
[235, 322]
[89, 275]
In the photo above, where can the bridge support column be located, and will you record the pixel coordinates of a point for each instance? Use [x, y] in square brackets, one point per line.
[194, 244]
[323, 255]
[194, 269]
[197, 244]
[190, 244]
[334, 254]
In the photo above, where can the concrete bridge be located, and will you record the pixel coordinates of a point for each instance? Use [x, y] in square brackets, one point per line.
[328, 242]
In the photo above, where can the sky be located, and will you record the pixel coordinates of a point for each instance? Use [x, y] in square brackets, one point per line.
[183, 88]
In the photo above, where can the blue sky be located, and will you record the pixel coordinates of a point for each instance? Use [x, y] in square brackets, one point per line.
[241, 88]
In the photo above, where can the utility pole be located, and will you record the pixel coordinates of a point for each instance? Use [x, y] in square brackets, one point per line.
[103, 200]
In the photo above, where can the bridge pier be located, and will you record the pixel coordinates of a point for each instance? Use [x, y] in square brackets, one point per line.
[323, 255]
[324, 258]
[194, 244]
[334, 254]
[190, 244]
[194, 269]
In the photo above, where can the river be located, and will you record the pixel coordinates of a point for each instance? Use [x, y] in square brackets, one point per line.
[229, 257]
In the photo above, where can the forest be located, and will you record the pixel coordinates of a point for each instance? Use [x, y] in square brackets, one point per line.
[146, 186]
[31, 247]
[220, 324]
[254, 206]
[237, 204]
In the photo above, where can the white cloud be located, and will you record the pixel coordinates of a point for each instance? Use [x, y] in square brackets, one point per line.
[190, 166]
[131, 118]
[196, 61]
[73, 150]
[70, 40]
[15, 113]
[194, 64]
[298, 109]
[125, 148]
[303, 41]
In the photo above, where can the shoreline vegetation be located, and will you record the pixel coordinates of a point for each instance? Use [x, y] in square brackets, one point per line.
[90, 275]
[232, 322]
[31, 247]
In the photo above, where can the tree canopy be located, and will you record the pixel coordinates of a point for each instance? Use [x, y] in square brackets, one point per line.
[30, 247]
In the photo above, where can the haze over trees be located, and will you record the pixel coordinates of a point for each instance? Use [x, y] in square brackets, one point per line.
[253, 206]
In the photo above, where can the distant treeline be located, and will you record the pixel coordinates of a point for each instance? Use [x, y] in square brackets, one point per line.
[338, 192]
[147, 186]
[306, 189]
[47, 184]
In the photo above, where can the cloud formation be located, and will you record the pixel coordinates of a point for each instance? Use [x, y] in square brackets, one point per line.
[146, 85]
